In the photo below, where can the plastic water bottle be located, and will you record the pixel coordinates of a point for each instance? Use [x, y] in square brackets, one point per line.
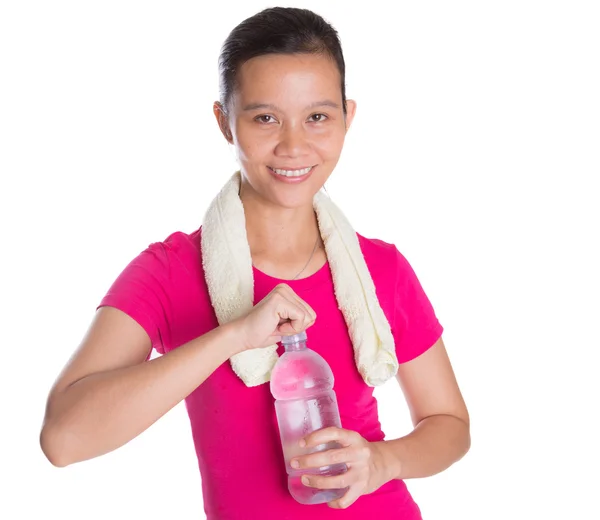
[302, 385]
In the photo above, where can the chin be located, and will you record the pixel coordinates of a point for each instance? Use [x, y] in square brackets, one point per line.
[298, 199]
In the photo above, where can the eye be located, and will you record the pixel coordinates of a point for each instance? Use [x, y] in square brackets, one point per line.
[265, 119]
[317, 118]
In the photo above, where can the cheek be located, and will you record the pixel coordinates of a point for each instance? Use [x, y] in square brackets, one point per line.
[253, 145]
[330, 145]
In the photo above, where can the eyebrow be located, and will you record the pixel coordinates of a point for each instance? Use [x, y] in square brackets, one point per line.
[267, 106]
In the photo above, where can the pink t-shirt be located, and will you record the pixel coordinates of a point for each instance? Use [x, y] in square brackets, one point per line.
[234, 427]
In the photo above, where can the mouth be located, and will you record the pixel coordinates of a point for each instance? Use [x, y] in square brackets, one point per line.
[289, 173]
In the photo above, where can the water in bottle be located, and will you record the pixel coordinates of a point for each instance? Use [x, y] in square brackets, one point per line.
[302, 385]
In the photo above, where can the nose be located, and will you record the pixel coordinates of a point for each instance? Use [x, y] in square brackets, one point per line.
[293, 141]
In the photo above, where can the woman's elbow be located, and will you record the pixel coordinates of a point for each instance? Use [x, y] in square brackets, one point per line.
[53, 446]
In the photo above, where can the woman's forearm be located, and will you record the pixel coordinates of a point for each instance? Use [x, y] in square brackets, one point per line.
[103, 411]
[435, 444]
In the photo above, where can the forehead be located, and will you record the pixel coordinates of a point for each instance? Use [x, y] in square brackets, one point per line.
[295, 77]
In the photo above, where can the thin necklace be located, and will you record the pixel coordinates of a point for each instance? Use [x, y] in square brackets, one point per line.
[309, 259]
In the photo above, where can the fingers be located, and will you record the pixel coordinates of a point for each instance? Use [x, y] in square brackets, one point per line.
[289, 328]
[320, 482]
[323, 458]
[288, 292]
[292, 318]
[354, 452]
[295, 315]
[352, 455]
[281, 313]
[353, 449]
[350, 480]
[351, 496]
[332, 433]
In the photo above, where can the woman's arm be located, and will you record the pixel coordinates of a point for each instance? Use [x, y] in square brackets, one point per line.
[442, 431]
[108, 394]
[440, 437]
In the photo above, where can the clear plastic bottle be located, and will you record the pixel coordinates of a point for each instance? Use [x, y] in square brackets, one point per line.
[302, 385]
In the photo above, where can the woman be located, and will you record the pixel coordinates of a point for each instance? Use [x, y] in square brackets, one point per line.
[264, 265]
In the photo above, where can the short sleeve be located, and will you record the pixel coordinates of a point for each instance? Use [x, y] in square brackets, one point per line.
[416, 327]
[142, 292]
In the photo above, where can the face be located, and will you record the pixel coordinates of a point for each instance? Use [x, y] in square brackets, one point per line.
[287, 123]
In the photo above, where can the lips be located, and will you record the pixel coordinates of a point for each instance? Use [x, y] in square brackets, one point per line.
[292, 176]
[289, 172]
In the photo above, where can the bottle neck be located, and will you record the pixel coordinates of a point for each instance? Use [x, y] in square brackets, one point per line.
[295, 347]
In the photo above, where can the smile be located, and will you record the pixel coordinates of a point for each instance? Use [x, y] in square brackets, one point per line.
[292, 173]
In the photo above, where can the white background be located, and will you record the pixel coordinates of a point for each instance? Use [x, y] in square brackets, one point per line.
[475, 150]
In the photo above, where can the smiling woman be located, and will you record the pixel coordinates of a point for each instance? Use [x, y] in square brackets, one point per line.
[273, 257]
[287, 120]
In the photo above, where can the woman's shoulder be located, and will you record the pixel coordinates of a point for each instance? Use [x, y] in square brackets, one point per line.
[179, 244]
[176, 256]
[375, 245]
[181, 241]
[162, 288]
[384, 259]
[377, 251]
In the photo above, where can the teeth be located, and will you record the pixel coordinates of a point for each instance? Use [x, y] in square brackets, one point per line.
[292, 173]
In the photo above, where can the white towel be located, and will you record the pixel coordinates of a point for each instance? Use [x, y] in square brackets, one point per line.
[228, 270]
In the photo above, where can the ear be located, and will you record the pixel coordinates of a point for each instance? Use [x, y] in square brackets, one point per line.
[350, 111]
[222, 121]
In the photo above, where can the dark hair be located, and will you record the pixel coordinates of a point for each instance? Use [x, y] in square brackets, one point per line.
[278, 30]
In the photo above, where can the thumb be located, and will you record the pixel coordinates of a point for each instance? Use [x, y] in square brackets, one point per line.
[289, 328]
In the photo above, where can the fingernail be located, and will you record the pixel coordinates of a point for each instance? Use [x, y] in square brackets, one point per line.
[305, 480]
[294, 464]
[302, 443]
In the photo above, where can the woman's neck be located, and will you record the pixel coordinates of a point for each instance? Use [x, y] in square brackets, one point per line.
[281, 240]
